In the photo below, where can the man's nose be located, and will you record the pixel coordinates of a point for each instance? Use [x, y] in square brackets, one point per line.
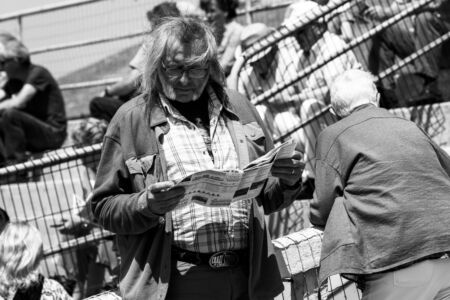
[184, 79]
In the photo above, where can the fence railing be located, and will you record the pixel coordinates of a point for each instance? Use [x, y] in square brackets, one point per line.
[50, 191]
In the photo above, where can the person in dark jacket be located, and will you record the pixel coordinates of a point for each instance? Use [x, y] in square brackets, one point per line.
[185, 122]
[32, 111]
[383, 196]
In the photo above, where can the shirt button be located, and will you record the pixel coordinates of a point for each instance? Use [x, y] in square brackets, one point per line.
[161, 220]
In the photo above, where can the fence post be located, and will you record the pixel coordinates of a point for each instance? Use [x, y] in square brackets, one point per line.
[19, 21]
[248, 14]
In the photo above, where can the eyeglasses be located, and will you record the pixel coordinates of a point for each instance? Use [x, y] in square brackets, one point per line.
[178, 71]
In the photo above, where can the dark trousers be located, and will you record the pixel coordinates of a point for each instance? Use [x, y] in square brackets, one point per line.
[399, 40]
[104, 108]
[21, 132]
[189, 282]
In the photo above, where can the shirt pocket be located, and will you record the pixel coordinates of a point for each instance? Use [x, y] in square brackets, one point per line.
[142, 170]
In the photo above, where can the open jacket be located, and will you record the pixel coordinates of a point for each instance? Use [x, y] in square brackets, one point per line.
[132, 159]
[382, 193]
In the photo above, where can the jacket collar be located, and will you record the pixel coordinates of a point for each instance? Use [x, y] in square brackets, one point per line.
[361, 107]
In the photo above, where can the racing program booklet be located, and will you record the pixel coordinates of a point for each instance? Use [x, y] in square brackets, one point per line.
[221, 187]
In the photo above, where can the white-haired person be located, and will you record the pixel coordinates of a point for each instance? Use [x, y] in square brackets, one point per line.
[382, 195]
[186, 121]
[20, 256]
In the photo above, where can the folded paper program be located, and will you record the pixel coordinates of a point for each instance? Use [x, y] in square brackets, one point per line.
[221, 187]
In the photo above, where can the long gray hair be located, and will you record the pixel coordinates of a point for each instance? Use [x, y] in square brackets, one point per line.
[187, 31]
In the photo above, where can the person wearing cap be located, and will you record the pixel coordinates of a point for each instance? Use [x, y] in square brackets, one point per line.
[382, 197]
[186, 121]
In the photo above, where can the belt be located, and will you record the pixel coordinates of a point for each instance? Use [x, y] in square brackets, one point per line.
[217, 260]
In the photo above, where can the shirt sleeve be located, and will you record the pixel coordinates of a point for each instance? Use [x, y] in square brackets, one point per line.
[38, 78]
[113, 204]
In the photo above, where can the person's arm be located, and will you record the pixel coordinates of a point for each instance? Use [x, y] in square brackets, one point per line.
[3, 81]
[227, 60]
[328, 187]
[347, 31]
[113, 204]
[233, 77]
[383, 11]
[126, 86]
[2, 94]
[18, 101]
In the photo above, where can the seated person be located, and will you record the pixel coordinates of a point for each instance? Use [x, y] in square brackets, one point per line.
[403, 39]
[21, 253]
[222, 13]
[317, 44]
[261, 73]
[32, 112]
[105, 106]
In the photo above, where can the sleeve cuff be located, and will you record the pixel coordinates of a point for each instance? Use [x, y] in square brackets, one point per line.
[143, 206]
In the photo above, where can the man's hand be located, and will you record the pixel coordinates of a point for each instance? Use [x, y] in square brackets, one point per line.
[289, 170]
[162, 198]
[73, 224]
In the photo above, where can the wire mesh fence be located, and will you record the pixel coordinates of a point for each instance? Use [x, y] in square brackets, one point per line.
[50, 193]
[288, 83]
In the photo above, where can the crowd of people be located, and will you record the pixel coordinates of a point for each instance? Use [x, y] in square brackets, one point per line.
[190, 103]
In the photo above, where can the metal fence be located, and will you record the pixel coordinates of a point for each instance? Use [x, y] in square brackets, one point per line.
[50, 191]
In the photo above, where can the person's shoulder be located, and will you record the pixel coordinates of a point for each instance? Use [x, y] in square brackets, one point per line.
[239, 102]
[234, 95]
[129, 113]
[39, 69]
[236, 26]
[130, 109]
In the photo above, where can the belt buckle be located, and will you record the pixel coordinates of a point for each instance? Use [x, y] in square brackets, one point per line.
[223, 259]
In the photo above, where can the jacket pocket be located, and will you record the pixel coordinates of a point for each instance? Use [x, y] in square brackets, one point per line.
[255, 139]
[142, 170]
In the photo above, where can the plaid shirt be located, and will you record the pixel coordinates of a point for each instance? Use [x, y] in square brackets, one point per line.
[200, 228]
